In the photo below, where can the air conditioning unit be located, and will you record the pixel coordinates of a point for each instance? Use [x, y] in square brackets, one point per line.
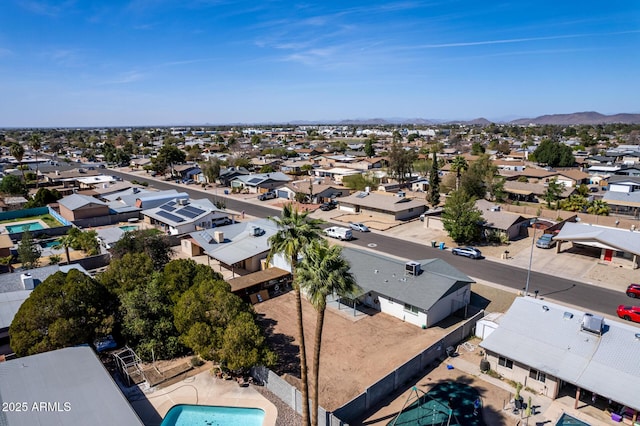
[183, 202]
[256, 231]
[27, 281]
[592, 323]
[412, 268]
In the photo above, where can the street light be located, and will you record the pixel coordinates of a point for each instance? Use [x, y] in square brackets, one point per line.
[526, 288]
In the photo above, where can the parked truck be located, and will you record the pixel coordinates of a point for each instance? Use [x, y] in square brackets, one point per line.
[343, 234]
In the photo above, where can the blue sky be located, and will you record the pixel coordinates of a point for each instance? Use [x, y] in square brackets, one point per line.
[164, 62]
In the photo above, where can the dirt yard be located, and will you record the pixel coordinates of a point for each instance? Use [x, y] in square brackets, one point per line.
[356, 352]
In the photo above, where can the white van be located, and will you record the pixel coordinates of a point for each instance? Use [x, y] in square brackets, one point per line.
[339, 233]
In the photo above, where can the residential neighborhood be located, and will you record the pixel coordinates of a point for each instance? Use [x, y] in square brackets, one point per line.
[200, 253]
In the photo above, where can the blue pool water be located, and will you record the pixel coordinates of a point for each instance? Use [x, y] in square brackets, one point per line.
[129, 228]
[207, 415]
[50, 244]
[567, 420]
[32, 226]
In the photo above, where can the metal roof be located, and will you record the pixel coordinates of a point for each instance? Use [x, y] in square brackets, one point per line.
[76, 201]
[600, 236]
[537, 333]
[74, 383]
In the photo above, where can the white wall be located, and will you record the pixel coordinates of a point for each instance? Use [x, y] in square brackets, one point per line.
[396, 309]
[619, 188]
[449, 304]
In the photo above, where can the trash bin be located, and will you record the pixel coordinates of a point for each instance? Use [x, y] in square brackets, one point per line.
[441, 246]
[226, 192]
[433, 244]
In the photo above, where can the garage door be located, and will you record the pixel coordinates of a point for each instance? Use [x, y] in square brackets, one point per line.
[283, 194]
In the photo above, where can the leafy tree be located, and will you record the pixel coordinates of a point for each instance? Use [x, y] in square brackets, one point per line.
[35, 142]
[477, 148]
[180, 274]
[482, 178]
[321, 272]
[598, 207]
[211, 169]
[296, 230]
[13, 185]
[126, 273]
[43, 197]
[554, 154]
[434, 183]
[243, 344]
[28, 251]
[55, 259]
[167, 157]
[553, 192]
[267, 168]
[459, 165]
[149, 241]
[368, 148]
[461, 219]
[147, 321]
[401, 162]
[17, 151]
[359, 182]
[65, 310]
[522, 179]
[575, 203]
[86, 241]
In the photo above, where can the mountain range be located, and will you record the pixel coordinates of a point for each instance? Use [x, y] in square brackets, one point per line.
[576, 118]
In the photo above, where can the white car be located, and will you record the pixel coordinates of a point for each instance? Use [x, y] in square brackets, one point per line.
[470, 252]
[357, 226]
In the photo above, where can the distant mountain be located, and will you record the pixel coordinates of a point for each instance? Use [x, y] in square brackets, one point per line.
[589, 117]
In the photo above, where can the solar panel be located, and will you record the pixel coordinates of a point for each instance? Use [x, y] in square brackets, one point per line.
[167, 207]
[186, 213]
[194, 210]
[255, 180]
[170, 216]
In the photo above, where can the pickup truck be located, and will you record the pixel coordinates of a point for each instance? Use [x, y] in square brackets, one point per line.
[339, 233]
[267, 196]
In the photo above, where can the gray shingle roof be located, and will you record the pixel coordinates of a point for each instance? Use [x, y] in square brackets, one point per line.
[71, 375]
[547, 341]
[386, 276]
[76, 201]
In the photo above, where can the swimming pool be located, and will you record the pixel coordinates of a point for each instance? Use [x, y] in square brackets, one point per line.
[50, 244]
[129, 228]
[31, 226]
[187, 415]
[567, 420]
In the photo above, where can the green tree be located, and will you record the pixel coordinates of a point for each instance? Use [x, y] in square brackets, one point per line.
[147, 321]
[598, 207]
[167, 157]
[13, 185]
[181, 274]
[434, 182]
[296, 230]
[28, 251]
[368, 148]
[243, 344]
[553, 192]
[482, 178]
[64, 310]
[554, 154]
[148, 241]
[43, 197]
[211, 169]
[575, 203]
[401, 162]
[461, 219]
[458, 166]
[321, 272]
[126, 273]
[35, 142]
[477, 148]
[359, 182]
[17, 151]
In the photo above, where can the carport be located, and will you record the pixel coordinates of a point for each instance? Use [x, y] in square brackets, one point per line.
[616, 245]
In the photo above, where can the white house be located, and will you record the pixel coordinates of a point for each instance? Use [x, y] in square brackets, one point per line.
[182, 216]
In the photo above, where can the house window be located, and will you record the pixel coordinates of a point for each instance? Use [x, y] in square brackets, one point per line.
[505, 362]
[537, 375]
[411, 309]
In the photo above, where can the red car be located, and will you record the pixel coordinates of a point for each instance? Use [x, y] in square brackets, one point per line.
[629, 313]
[633, 290]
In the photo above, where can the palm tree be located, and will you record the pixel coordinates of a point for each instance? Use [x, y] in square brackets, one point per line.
[598, 207]
[17, 151]
[66, 242]
[296, 230]
[321, 272]
[35, 144]
[459, 165]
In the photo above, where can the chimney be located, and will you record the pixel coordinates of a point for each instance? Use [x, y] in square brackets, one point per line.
[218, 236]
[27, 281]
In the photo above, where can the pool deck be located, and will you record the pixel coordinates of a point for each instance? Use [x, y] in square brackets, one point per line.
[201, 389]
[4, 229]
